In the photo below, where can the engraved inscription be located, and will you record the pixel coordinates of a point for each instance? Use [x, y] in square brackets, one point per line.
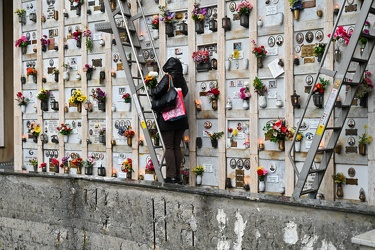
[350, 149]
[351, 132]
[307, 50]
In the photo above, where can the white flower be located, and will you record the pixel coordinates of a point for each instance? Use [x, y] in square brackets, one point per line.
[246, 84]
[75, 4]
[153, 74]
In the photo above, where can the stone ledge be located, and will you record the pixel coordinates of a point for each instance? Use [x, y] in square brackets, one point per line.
[342, 206]
[366, 240]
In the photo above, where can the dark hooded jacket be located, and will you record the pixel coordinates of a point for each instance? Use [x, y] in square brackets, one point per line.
[173, 67]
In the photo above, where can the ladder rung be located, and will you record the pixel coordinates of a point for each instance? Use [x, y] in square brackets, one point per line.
[345, 106]
[358, 60]
[117, 11]
[350, 83]
[313, 171]
[139, 61]
[158, 146]
[127, 44]
[372, 10]
[367, 36]
[135, 17]
[308, 191]
[137, 77]
[147, 111]
[323, 150]
[333, 128]
[328, 72]
[139, 87]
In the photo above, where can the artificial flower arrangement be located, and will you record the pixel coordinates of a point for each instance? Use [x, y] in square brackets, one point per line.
[261, 173]
[150, 166]
[31, 72]
[259, 87]
[366, 85]
[33, 162]
[127, 165]
[365, 138]
[77, 97]
[89, 163]
[155, 22]
[321, 86]
[55, 71]
[244, 93]
[34, 129]
[198, 170]
[339, 178]
[319, 49]
[20, 12]
[295, 5]
[214, 135]
[88, 68]
[244, 8]
[64, 129]
[43, 165]
[77, 35]
[198, 14]
[341, 35]
[77, 162]
[89, 43]
[44, 40]
[151, 80]
[99, 95]
[277, 131]
[64, 162]
[362, 40]
[43, 95]
[213, 94]
[102, 131]
[166, 15]
[154, 133]
[21, 99]
[259, 51]
[126, 97]
[76, 2]
[201, 56]
[54, 162]
[22, 42]
[129, 133]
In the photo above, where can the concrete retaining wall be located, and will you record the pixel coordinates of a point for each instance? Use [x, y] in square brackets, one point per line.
[60, 212]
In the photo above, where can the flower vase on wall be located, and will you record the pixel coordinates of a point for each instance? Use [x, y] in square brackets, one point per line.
[129, 141]
[245, 104]
[362, 149]
[296, 13]
[78, 44]
[244, 20]
[339, 191]
[101, 106]
[56, 169]
[155, 34]
[101, 171]
[214, 143]
[169, 29]
[102, 139]
[89, 170]
[22, 20]
[281, 145]
[88, 75]
[199, 180]
[262, 101]
[66, 138]
[260, 62]
[297, 146]
[199, 27]
[337, 55]
[23, 108]
[318, 100]
[363, 101]
[56, 77]
[203, 67]
[24, 50]
[214, 104]
[44, 105]
[262, 186]
[35, 79]
[66, 75]
[128, 175]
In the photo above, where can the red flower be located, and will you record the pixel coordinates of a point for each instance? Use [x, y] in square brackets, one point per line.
[260, 172]
[278, 123]
[43, 165]
[284, 129]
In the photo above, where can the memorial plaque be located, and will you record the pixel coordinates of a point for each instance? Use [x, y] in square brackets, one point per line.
[307, 89]
[350, 149]
[351, 8]
[307, 50]
[351, 132]
[240, 178]
[309, 60]
[97, 62]
[351, 181]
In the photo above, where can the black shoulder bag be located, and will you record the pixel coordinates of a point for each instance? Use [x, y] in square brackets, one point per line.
[167, 101]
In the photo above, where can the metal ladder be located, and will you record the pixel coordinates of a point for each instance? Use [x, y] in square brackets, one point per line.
[121, 21]
[353, 62]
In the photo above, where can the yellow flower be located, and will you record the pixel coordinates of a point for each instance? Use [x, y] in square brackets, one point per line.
[37, 129]
[235, 132]
[236, 54]
[80, 99]
[299, 137]
[366, 126]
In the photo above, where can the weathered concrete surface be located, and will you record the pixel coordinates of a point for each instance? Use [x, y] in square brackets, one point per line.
[60, 212]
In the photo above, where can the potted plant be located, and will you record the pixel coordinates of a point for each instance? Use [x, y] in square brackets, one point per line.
[44, 42]
[243, 9]
[64, 164]
[89, 165]
[364, 89]
[277, 132]
[167, 18]
[261, 172]
[34, 163]
[340, 37]
[149, 171]
[339, 179]
[151, 79]
[65, 130]
[198, 15]
[34, 131]
[22, 43]
[88, 69]
[244, 94]
[76, 99]
[127, 167]
[261, 90]
[129, 134]
[198, 170]
[154, 134]
[32, 72]
[155, 26]
[259, 52]
[318, 91]
[77, 163]
[43, 166]
[202, 60]
[100, 96]
[102, 135]
[214, 137]
[213, 96]
[55, 164]
[296, 6]
[319, 50]
[77, 35]
[89, 43]
[364, 140]
[43, 96]
[21, 13]
[22, 101]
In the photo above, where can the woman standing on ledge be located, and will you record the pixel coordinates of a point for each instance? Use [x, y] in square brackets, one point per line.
[172, 131]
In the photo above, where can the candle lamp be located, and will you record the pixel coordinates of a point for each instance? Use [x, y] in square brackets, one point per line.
[336, 10]
[65, 13]
[226, 23]
[296, 60]
[198, 105]
[186, 140]
[295, 98]
[23, 138]
[114, 173]
[140, 141]
[212, 24]
[260, 145]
